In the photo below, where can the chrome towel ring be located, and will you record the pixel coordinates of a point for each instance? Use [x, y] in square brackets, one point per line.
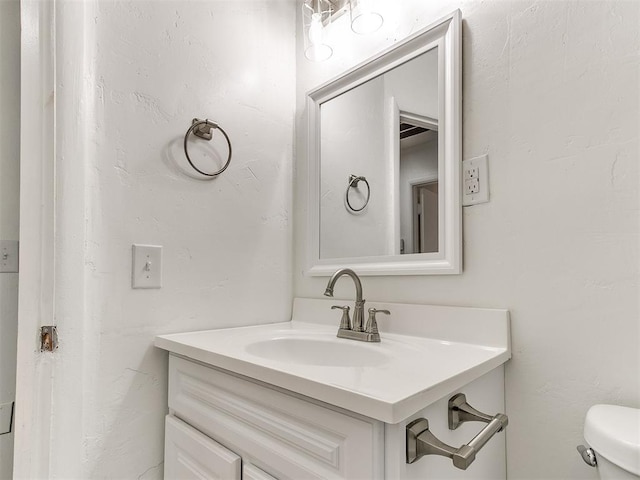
[203, 129]
[353, 183]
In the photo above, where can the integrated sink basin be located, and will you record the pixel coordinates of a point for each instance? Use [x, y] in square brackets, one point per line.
[322, 352]
[426, 352]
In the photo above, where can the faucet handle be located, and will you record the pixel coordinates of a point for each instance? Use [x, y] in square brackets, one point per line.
[372, 324]
[345, 322]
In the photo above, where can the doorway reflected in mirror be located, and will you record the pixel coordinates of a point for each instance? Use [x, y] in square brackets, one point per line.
[418, 184]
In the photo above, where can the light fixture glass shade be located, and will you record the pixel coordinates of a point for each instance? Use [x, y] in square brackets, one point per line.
[364, 16]
[316, 17]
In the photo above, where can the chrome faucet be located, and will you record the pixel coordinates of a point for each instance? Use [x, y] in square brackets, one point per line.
[358, 312]
[357, 331]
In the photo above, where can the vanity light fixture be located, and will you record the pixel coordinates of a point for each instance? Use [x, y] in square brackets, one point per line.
[317, 15]
[364, 16]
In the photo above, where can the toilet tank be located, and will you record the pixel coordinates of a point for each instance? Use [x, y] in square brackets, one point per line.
[614, 433]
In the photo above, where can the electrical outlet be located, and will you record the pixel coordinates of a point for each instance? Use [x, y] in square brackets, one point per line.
[475, 185]
[471, 185]
[471, 173]
[147, 266]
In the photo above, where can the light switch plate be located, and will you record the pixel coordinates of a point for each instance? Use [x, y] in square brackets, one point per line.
[475, 181]
[147, 266]
[6, 417]
[8, 256]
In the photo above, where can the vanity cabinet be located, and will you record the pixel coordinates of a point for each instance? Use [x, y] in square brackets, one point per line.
[281, 434]
[223, 425]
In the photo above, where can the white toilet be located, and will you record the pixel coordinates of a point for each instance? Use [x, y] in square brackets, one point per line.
[613, 433]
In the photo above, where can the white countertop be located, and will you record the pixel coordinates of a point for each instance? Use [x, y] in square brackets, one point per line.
[432, 356]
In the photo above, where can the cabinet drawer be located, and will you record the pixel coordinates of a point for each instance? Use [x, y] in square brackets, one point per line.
[188, 454]
[287, 436]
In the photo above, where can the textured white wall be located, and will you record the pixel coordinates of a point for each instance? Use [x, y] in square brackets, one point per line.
[551, 93]
[131, 76]
[9, 211]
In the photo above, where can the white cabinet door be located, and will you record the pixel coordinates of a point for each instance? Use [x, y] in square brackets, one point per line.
[251, 472]
[297, 439]
[189, 454]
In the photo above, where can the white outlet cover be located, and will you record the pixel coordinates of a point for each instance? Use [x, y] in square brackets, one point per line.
[146, 271]
[481, 165]
[8, 256]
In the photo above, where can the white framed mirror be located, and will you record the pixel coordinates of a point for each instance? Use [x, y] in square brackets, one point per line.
[385, 145]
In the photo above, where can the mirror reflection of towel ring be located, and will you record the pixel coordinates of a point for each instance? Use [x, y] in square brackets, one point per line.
[203, 129]
[353, 183]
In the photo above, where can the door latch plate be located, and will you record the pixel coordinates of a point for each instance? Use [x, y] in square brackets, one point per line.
[48, 338]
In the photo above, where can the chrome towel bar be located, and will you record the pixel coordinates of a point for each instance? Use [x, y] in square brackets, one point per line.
[421, 442]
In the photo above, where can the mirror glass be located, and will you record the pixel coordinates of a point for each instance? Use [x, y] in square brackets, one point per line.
[385, 130]
[384, 158]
